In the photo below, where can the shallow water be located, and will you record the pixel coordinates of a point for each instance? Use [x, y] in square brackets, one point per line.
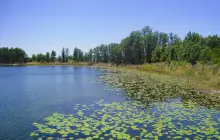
[29, 94]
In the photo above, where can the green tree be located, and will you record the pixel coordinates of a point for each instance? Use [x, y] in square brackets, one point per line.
[12, 55]
[63, 55]
[117, 54]
[90, 55]
[53, 56]
[40, 58]
[47, 57]
[66, 54]
[192, 46]
[59, 58]
[80, 55]
[156, 57]
[33, 57]
[75, 54]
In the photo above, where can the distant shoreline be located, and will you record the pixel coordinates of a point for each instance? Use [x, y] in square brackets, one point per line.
[45, 64]
[207, 79]
[79, 64]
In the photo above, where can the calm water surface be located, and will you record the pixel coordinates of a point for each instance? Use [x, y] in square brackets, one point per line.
[30, 93]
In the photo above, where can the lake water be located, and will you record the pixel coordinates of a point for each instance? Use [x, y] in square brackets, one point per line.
[30, 93]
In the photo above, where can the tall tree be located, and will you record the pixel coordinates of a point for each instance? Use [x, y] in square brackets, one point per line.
[156, 57]
[53, 56]
[63, 55]
[66, 54]
[90, 55]
[59, 58]
[193, 44]
[47, 57]
[75, 54]
[33, 57]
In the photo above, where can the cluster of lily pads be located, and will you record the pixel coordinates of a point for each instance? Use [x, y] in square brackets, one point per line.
[149, 89]
[131, 120]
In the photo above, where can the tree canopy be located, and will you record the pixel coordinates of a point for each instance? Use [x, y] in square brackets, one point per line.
[149, 46]
[139, 47]
[12, 55]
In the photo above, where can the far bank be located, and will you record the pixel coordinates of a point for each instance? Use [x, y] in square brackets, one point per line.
[206, 77]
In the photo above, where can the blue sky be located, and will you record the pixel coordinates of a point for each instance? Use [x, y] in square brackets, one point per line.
[42, 25]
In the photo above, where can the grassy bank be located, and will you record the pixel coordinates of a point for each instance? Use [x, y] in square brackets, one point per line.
[202, 76]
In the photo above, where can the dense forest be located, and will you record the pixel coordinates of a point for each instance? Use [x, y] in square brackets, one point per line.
[12, 55]
[142, 46]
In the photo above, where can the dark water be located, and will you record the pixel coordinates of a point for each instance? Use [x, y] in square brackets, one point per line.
[30, 93]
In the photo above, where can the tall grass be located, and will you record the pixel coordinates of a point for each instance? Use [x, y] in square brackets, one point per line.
[207, 75]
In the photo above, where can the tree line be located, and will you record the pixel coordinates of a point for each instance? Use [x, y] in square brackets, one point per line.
[48, 57]
[17, 55]
[12, 55]
[148, 46]
[78, 56]
[139, 47]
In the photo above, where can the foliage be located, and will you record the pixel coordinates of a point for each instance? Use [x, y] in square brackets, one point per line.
[47, 57]
[78, 55]
[148, 46]
[53, 56]
[12, 55]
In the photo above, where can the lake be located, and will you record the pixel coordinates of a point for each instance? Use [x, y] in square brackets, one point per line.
[31, 93]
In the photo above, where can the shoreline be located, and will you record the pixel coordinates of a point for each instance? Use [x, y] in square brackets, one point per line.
[45, 64]
[200, 81]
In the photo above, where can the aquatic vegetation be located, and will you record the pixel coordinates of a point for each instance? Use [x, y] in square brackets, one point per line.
[157, 110]
[149, 89]
[132, 120]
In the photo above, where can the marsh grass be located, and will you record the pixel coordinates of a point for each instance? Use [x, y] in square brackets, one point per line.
[204, 76]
